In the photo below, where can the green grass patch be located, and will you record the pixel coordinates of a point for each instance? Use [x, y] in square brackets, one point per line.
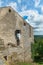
[24, 63]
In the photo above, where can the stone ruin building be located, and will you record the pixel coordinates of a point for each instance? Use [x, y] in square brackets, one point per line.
[16, 36]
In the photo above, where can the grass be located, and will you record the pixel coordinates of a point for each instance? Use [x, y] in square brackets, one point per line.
[24, 63]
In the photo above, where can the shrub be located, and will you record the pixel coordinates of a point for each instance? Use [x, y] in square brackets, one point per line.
[37, 50]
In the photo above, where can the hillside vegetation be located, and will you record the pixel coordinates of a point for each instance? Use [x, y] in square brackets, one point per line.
[37, 49]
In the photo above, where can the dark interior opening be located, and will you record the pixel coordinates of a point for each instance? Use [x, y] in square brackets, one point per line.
[9, 10]
[24, 24]
[18, 42]
[17, 37]
[18, 31]
[8, 44]
[11, 44]
[5, 57]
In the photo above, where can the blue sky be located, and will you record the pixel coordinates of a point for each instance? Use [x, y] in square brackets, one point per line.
[30, 10]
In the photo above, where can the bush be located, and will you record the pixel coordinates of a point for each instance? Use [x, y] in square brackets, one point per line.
[37, 50]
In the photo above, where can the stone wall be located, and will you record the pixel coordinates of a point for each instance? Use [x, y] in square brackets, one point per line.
[9, 23]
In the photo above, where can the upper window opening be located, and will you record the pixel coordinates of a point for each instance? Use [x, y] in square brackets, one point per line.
[24, 24]
[9, 10]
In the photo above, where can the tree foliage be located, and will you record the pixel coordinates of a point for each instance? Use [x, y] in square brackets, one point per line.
[37, 49]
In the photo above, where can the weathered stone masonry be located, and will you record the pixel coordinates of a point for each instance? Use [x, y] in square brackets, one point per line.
[16, 36]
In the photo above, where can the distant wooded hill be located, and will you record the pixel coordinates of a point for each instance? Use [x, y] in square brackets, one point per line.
[38, 38]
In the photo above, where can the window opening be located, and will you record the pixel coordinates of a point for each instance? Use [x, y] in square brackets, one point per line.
[24, 24]
[5, 57]
[9, 10]
[18, 35]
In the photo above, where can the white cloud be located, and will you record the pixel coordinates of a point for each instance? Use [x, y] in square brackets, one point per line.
[34, 18]
[37, 2]
[40, 29]
[33, 15]
[13, 5]
[28, 12]
[41, 26]
[41, 8]
[24, 8]
[38, 5]
[38, 32]
[1, 2]
[19, 1]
